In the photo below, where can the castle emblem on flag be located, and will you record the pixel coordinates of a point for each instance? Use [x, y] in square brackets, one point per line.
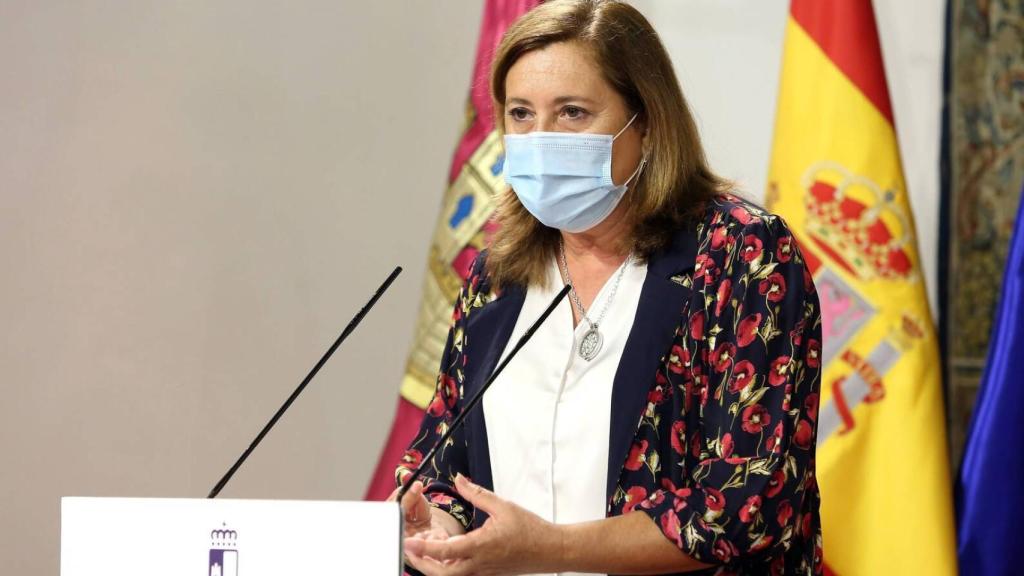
[858, 233]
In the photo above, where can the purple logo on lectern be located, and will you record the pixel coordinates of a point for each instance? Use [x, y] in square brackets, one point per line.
[223, 552]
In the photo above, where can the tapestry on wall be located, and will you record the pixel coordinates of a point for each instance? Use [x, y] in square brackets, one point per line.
[983, 167]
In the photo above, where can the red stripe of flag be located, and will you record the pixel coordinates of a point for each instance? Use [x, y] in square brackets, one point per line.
[846, 31]
[497, 17]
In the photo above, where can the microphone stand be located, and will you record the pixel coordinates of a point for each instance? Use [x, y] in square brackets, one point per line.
[302, 386]
[480, 393]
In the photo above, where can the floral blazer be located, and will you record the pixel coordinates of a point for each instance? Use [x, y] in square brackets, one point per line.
[714, 403]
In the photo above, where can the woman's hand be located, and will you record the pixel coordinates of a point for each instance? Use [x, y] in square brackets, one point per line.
[512, 541]
[421, 519]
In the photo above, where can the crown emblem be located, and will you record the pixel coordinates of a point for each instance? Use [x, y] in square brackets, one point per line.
[223, 538]
[857, 224]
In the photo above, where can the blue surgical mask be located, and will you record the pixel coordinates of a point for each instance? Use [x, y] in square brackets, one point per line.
[565, 179]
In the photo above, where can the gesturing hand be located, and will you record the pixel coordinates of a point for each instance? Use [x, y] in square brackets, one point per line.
[420, 520]
[512, 541]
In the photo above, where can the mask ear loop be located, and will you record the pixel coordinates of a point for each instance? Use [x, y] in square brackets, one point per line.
[628, 124]
[639, 169]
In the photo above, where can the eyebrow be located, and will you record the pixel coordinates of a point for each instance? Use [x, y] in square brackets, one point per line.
[559, 100]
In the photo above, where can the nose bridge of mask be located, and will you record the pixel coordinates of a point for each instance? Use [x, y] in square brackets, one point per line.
[558, 154]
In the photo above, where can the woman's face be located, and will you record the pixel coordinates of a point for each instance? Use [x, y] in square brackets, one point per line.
[559, 88]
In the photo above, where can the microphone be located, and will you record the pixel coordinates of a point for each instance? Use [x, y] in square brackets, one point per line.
[302, 386]
[480, 393]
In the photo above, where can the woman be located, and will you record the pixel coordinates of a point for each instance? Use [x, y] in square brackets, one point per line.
[663, 419]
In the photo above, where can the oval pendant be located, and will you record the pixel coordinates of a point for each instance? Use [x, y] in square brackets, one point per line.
[591, 343]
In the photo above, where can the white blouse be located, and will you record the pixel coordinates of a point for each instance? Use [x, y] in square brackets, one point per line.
[548, 414]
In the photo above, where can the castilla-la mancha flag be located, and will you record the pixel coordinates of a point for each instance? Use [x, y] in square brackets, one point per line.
[461, 232]
[836, 177]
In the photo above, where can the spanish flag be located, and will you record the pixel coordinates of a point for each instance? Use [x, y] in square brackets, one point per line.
[462, 230]
[835, 176]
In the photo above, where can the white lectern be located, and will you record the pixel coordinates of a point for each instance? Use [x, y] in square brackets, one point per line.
[203, 537]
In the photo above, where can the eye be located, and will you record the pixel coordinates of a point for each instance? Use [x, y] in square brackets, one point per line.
[573, 112]
[519, 114]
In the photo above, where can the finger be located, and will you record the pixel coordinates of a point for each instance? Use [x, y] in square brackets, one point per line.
[454, 548]
[477, 495]
[409, 500]
[413, 502]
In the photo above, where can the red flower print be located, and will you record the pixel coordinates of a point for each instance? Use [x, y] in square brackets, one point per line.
[718, 237]
[742, 376]
[784, 249]
[804, 435]
[446, 397]
[774, 442]
[724, 550]
[634, 496]
[437, 406]
[723, 356]
[637, 456]
[811, 406]
[752, 248]
[750, 509]
[412, 459]
[440, 499]
[695, 445]
[779, 372]
[680, 493]
[724, 292]
[656, 395]
[678, 436]
[763, 541]
[805, 525]
[755, 418]
[783, 513]
[727, 445]
[776, 483]
[697, 326]
[670, 526]
[774, 287]
[714, 499]
[747, 331]
[742, 214]
[705, 267]
[451, 390]
[655, 499]
[813, 353]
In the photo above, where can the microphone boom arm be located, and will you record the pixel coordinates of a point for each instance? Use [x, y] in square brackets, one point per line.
[479, 394]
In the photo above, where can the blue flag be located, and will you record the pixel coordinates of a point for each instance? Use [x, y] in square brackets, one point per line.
[990, 487]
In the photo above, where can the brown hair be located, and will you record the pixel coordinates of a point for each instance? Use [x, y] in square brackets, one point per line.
[676, 182]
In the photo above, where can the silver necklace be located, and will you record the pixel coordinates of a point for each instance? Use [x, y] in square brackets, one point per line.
[592, 340]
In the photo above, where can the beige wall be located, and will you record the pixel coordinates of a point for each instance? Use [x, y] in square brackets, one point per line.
[195, 197]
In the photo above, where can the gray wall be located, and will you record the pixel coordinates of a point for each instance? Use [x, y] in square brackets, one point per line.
[195, 197]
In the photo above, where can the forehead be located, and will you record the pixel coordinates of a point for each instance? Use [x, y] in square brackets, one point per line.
[556, 70]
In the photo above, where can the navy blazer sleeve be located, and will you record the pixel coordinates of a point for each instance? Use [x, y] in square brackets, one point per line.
[451, 459]
[723, 461]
